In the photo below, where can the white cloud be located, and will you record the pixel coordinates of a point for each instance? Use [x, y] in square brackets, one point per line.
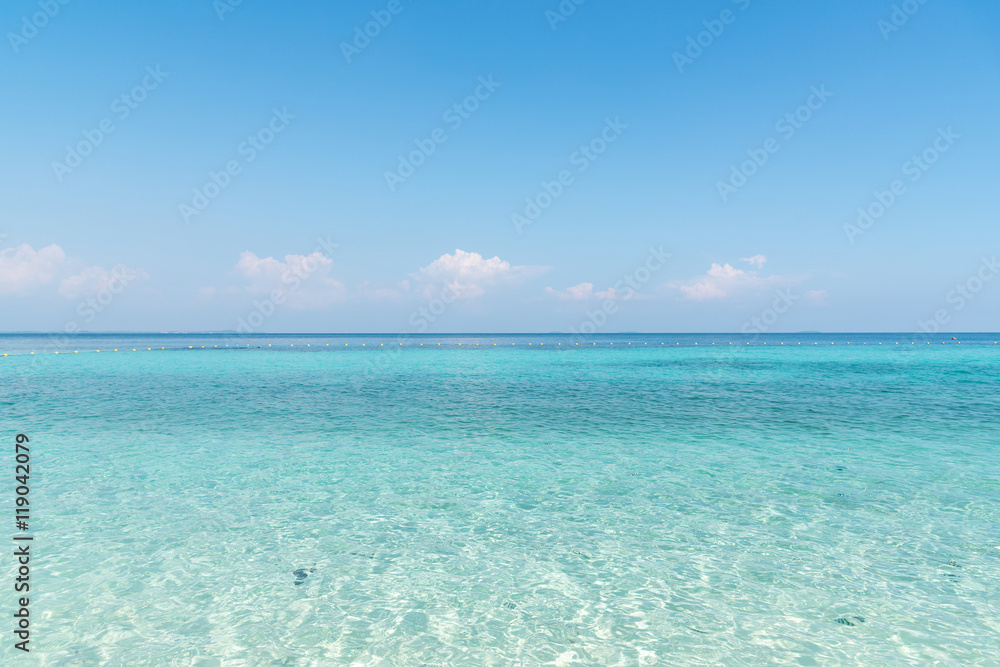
[468, 274]
[816, 297]
[370, 292]
[23, 268]
[756, 260]
[267, 269]
[302, 279]
[94, 279]
[580, 292]
[585, 292]
[627, 295]
[724, 281]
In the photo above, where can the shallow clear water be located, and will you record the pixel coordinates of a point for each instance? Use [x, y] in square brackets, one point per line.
[641, 502]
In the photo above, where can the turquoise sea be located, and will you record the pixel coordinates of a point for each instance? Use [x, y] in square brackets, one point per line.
[809, 499]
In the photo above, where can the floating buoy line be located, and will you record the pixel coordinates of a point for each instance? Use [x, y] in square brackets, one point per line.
[532, 344]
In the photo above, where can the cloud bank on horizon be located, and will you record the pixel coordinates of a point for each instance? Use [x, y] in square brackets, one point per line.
[47, 271]
[306, 282]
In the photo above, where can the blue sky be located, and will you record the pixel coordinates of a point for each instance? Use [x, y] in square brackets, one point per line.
[611, 118]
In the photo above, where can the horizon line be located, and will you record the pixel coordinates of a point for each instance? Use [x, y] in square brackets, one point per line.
[519, 333]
